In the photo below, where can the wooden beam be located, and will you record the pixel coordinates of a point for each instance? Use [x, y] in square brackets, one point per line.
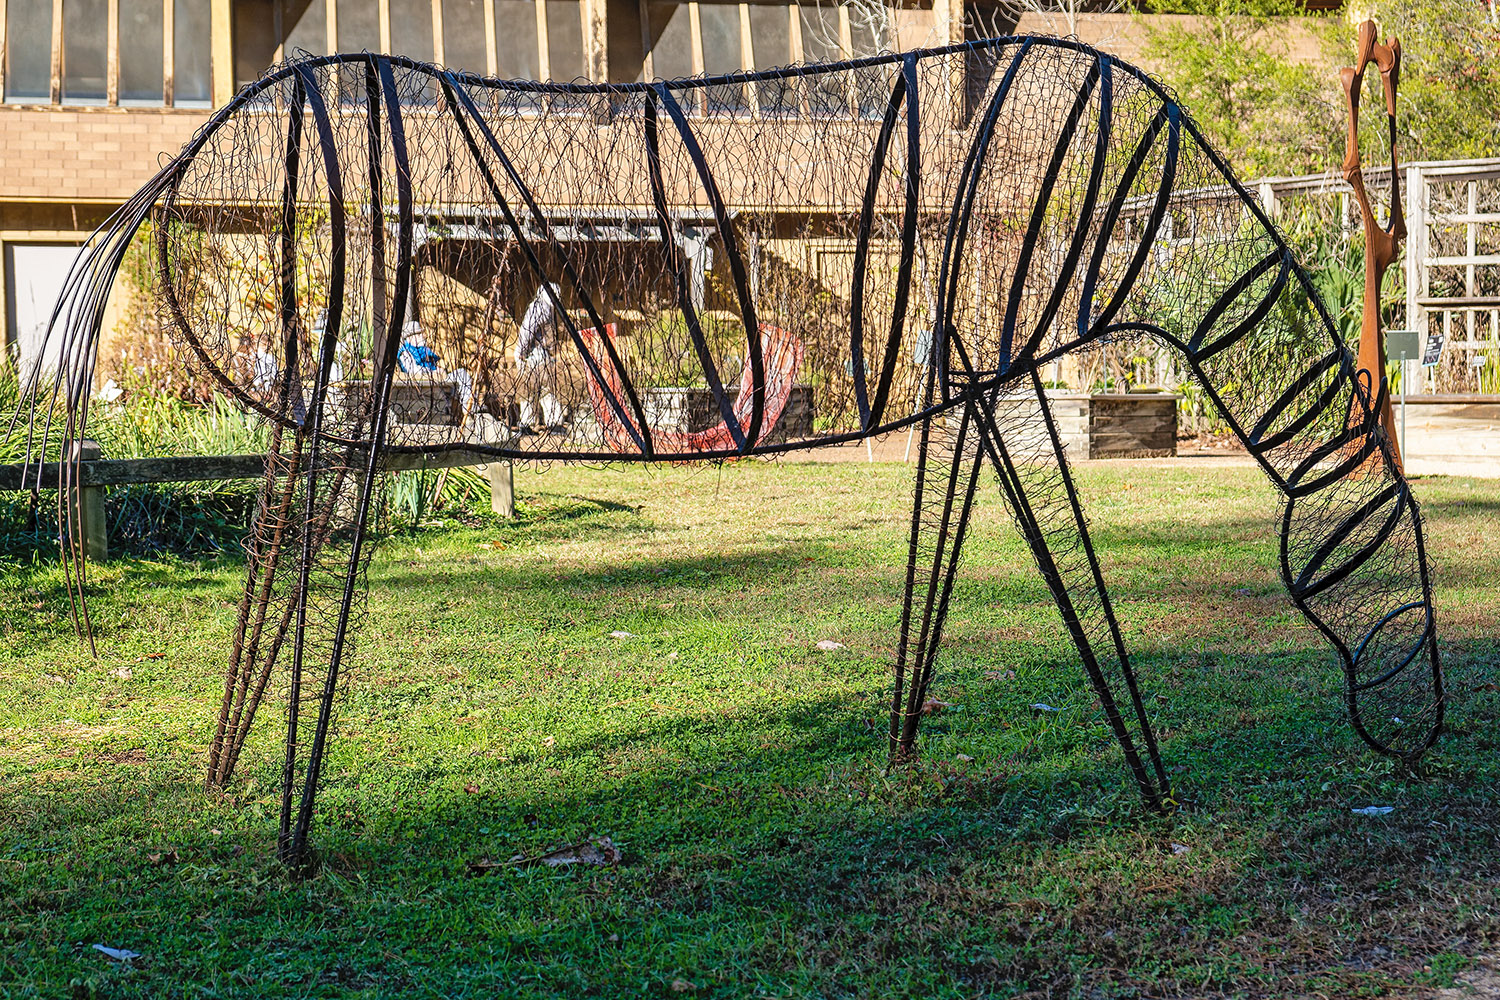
[125, 471]
[502, 479]
[596, 39]
[112, 53]
[55, 94]
[169, 52]
[491, 54]
[544, 56]
[89, 524]
[648, 56]
[221, 34]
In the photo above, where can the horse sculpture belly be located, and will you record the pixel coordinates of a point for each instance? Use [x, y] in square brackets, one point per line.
[929, 260]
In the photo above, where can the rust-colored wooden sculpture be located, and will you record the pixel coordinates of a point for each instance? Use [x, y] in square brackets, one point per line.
[1381, 245]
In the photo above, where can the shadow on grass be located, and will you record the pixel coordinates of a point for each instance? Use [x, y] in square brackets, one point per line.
[779, 845]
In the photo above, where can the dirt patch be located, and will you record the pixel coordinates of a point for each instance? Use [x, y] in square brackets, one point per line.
[1482, 981]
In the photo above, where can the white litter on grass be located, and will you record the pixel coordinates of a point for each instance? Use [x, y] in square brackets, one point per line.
[621, 634]
[118, 954]
[1180, 849]
[828, 645]
[1373, 810]
[1042, 707]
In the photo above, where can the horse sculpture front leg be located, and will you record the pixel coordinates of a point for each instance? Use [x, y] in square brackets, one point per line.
[1026, 453]
[948, 467]
[1022, 442]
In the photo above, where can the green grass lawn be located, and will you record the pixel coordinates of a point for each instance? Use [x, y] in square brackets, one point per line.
[767, 851]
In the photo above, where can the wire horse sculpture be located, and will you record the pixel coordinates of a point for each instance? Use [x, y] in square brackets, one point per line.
[354, 236]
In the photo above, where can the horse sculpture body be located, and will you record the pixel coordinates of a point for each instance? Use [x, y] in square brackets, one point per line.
[918, 260]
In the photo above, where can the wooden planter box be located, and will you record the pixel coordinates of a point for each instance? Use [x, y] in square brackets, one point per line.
[1457, 430]
[1101, 425]
[686, 409]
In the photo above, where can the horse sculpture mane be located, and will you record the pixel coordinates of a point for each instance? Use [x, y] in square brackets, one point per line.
[355, 232]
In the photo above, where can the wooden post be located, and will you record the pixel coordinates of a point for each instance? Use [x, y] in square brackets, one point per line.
[221, 39]
[502, 477]
[88, 516]
[1416, 251]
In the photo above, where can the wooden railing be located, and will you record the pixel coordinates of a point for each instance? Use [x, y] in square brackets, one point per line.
[94, 473]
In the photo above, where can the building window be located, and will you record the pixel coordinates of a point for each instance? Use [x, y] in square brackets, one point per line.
[512, 39]
[466, 35]
[192, 70]
[85, 63]
[685, 39]
[411, 28]
[358, 26]
[34, 278]
[517, 52]
[141, 52]
[28, 52]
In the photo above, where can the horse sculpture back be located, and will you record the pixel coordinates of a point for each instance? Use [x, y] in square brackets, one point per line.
[657, 264]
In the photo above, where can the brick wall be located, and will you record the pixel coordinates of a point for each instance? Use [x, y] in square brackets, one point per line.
[87, 154]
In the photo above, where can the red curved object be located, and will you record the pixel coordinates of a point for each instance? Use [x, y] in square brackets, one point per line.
[783, 360]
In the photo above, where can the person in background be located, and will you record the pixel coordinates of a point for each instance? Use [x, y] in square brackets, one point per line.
[415, 358]
[536, 366]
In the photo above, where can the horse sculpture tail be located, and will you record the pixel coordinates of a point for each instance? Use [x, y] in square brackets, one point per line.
[63, 392]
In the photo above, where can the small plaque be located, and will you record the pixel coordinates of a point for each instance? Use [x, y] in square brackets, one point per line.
[1434, 351]
[1403, 345]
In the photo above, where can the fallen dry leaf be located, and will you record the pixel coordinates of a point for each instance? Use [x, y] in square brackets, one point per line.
[683, 986]
[595, 851]
[472, 789]
[156, 656]
[828, 645]
[999, 675]
[550, 741]
[932, 706]
[163, 858]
